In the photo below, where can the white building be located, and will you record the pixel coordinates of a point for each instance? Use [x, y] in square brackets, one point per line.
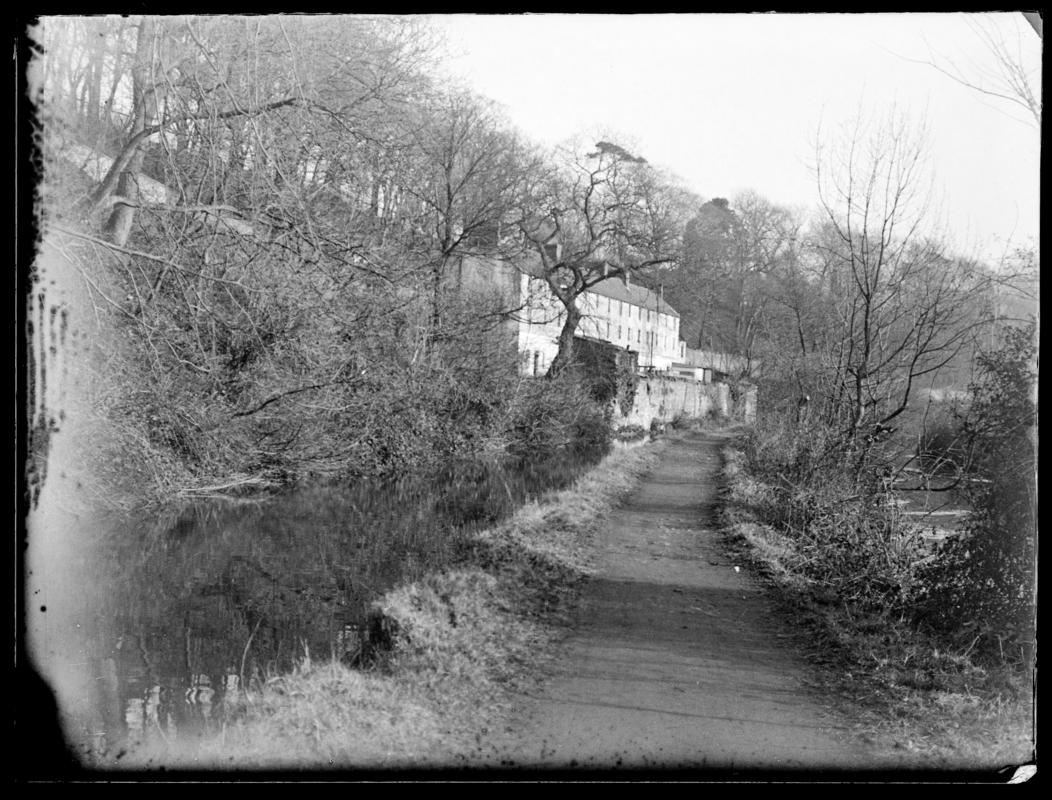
[720, 366]
[614, 310]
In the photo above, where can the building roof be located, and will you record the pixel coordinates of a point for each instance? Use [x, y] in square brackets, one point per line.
[614, 287]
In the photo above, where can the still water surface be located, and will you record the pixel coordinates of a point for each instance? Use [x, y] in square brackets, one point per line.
[182, 611]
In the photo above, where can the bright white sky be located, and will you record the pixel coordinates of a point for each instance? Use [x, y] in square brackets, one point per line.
[732, 101]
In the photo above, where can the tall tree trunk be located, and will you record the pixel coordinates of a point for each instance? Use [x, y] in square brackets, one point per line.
[564, 357]
[436, 294]
[119, 224]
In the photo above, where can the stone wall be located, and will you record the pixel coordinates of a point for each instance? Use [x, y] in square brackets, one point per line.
[662, 399]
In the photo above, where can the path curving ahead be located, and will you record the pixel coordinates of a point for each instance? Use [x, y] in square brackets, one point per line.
[675, 659]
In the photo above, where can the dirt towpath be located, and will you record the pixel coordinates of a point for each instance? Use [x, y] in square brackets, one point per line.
[675, 658]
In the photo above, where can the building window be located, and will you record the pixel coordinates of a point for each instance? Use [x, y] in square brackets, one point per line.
[639, 336]
[618, 331]
[608, 329]
[536, 362]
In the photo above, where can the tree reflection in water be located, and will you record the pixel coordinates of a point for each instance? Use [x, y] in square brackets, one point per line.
[200, 604]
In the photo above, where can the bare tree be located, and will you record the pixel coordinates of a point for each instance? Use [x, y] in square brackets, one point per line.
[1014, 73]
[469, 175]
[597, 214]
[902, 307]
[261, 208]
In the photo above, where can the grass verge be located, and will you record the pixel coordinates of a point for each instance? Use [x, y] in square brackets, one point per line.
[909, 695]
[462, 639]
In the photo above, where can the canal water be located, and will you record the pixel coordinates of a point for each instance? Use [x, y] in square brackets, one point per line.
[935, 516]
[181, 612]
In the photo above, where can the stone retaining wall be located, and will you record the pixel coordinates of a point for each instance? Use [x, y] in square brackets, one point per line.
[662, 399]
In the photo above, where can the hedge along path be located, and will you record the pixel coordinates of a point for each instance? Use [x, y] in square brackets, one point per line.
[676, 658]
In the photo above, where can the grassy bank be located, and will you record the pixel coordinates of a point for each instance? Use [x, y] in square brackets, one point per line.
[908, 690]
[461, 639]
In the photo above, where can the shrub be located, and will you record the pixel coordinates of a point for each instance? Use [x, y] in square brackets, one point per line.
[552, 414]
[844, 539]
[630, 433]
[983, 586]
[681, 420]
[780, 451]
[863, 552]
[609, 372]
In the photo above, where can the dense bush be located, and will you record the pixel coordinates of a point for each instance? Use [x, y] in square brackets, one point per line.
[982, 587]
[552, 414]
[630, 433]
[789, 453]
[610, 373]
[355, 387]
[849, 545]
[681, 420]
[324, 312]
[842, 537]
[975, 591]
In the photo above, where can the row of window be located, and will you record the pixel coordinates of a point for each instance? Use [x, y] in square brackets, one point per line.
[664, 319]
[624, 333]
[652, 338]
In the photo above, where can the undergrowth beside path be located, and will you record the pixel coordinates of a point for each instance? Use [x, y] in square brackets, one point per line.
[461, 640]
[906, 690]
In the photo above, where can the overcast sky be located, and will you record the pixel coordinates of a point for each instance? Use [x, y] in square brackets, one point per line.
[732, 101]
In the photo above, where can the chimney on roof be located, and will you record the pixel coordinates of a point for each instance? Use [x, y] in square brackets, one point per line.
[626, 278]
[606, 268]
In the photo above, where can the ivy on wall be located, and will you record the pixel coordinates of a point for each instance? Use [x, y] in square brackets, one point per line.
[609, 372]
